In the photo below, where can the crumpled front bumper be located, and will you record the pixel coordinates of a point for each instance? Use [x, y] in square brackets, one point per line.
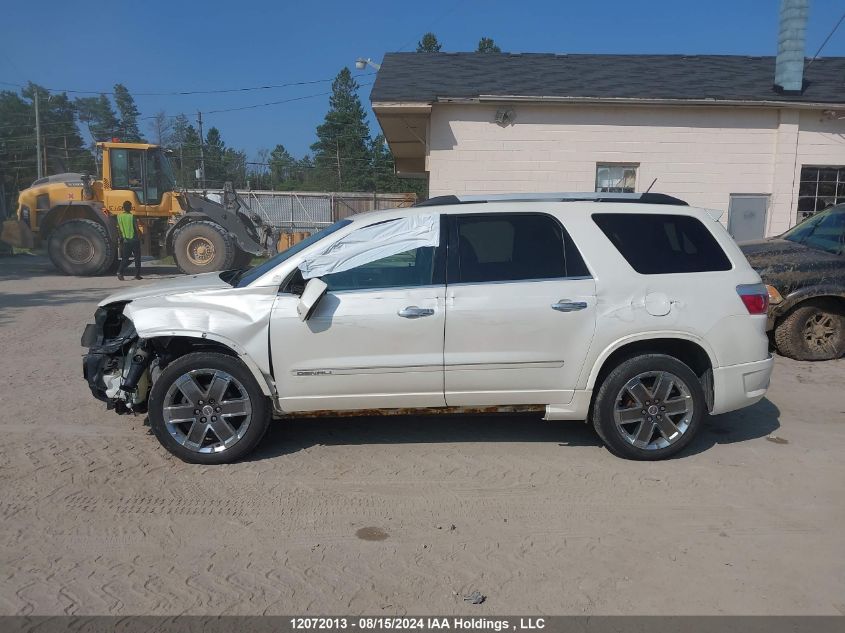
[109, 340]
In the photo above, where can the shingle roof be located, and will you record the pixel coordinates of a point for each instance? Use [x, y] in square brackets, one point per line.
[427, 77]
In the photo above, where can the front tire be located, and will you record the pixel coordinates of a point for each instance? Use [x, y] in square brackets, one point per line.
[203, 247]
[649, 407]
[207, 408]
[81, 248]
[814, 330]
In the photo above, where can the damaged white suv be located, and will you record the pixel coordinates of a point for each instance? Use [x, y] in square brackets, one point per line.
[633, 311]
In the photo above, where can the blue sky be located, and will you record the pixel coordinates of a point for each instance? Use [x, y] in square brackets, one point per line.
[155, 46]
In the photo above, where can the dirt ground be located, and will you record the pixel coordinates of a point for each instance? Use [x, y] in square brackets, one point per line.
[98, 519]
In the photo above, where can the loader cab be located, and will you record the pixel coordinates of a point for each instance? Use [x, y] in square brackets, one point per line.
[141, 169]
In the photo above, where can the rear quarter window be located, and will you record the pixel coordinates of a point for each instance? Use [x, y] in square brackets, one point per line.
[659, 244]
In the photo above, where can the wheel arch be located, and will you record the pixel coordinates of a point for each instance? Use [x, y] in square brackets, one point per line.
[76, 211]
[180, 342]
[795, 299]
[689, 349]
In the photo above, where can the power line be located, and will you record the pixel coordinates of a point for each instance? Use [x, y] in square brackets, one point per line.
[827, 39]
[190, 92]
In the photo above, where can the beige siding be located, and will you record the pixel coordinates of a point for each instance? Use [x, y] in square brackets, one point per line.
[699, 154]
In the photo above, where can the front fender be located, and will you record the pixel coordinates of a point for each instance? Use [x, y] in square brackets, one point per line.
[236, 318]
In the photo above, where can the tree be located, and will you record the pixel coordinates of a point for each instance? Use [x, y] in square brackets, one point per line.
[185, 141]
[215, 149]
[487, 45]
[128, 114]
[429, 44]
[98, 116]
[341, 153]
[281, 167]
[63, 149]
[383, 171]
[161, 126]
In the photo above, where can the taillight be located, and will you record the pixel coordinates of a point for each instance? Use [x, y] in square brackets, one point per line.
[755, 297]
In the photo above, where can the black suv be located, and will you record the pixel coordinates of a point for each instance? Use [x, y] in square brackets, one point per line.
[804, 270]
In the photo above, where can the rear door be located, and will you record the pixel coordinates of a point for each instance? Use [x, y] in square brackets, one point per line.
[520, 310]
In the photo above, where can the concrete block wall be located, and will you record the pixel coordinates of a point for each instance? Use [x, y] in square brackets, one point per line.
[700, 154]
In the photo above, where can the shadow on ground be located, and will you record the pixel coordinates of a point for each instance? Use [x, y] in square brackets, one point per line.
[27, 266]
[292, 435]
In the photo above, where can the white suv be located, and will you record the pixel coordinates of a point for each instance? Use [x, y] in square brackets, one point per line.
[633, 311]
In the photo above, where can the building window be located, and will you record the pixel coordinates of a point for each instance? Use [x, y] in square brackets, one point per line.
[821, 187]
[616, 177]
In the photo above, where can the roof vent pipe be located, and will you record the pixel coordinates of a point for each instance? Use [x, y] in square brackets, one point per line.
[789, 65]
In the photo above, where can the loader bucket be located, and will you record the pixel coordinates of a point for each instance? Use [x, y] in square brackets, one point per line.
[17, 234]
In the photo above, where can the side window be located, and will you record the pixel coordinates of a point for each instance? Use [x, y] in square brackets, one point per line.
[411, 268]
[126, 171]
[513, 247]
[657, 244]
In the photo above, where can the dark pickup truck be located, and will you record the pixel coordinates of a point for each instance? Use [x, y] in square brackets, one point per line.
[804, 270]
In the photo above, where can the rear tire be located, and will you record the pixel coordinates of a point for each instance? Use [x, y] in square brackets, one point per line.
[203, 247]
[81, 248]
[649, 407]
[813, 330]
[216, 385]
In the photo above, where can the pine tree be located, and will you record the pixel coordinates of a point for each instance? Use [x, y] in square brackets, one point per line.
[281, 167]
[383, 172]
[429, 44]
[341, 153]
[185, 142]
[98, 116]
[487, 45]
[129, 114]
[215, 149]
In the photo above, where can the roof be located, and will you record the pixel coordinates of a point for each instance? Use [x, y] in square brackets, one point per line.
[431, 77]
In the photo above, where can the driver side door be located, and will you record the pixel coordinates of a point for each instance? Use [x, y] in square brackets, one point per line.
[375, 340]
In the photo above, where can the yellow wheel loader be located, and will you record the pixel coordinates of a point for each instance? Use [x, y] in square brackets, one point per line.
[73, 215]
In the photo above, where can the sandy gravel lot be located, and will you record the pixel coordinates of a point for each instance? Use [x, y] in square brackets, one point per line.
[98, 519]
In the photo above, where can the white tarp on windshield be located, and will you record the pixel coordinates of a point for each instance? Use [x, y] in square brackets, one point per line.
[373, 243]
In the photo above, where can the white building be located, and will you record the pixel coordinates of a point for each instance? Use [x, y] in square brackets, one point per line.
[712, 130]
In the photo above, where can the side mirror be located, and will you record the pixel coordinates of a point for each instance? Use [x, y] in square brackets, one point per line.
[314, 291]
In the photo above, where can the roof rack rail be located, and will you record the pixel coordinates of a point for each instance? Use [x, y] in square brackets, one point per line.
[591, 196]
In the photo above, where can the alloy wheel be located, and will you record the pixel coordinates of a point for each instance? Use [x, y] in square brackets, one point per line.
[653, 410]
[207, 410]
[820, 331]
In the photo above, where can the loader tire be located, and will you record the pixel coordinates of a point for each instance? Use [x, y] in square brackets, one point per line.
[203, 247]
[81, 248]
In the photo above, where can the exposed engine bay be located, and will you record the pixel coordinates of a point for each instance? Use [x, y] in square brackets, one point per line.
[118, 361]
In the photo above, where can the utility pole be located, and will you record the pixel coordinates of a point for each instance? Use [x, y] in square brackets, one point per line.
[202, 151]
[337, 153]
[40, 170]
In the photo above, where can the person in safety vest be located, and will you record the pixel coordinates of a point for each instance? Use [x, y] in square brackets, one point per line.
[130, 240]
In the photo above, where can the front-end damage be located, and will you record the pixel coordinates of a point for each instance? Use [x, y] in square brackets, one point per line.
[118, 360]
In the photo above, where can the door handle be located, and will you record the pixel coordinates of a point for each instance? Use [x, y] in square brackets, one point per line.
[413, 312]
[565, 305]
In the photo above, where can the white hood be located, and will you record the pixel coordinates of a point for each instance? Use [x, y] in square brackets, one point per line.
[192, 283]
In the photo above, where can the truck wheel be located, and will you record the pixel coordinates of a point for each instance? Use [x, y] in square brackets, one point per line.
[649, 407]
[81, 247]
[242, 259]
[207, 408]
[203, 247]
[814, 330]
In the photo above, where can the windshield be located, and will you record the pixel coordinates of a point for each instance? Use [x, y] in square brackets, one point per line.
[824, 231]
[247, 276]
